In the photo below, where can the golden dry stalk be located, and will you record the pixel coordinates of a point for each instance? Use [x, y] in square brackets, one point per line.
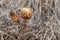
[26, 13]
[14, 17]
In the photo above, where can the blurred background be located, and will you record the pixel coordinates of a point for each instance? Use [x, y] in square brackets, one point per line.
[44, 24]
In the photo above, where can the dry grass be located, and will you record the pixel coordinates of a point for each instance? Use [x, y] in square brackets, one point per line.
[44, 24]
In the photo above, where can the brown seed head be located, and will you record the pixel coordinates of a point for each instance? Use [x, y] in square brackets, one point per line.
[14, 17]
[26, 13]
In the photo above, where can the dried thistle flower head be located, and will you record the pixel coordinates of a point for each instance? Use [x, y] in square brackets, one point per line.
[14, 17]
[26, 13]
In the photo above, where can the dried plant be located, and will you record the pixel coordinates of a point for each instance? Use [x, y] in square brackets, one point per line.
[42, 24]
[14, 17]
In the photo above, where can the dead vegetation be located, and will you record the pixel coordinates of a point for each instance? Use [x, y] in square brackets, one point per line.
[43, 25]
